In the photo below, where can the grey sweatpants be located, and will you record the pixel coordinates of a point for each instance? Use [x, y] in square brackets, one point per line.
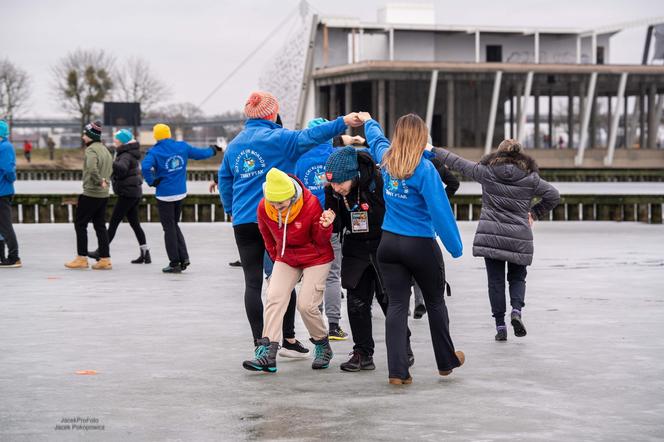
[332, 299]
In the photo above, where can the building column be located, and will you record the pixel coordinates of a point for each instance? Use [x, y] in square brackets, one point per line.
[642, 116]
[495, 99]
[570, 118]
[450, 113]
[348, 101]
[609, 113]
[652, 114]
[613, 128]
[550, 116]
[432, 98]
[332, 111]
[381, 103]
[392, 105]
[586, 119]
[537, 119]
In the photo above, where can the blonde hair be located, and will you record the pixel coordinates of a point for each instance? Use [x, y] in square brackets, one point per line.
[405, 153]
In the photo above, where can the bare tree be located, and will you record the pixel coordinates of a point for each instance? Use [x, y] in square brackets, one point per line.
[83, 79]
[14, 90]
[136, 83]
[178, 115]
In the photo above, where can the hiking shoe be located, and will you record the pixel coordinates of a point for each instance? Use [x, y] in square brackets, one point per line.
[337, 334]
[357, 362]
[517, 324]
[184, 264]
[460, 356]
[80, 262]
[322, 354]
[399, 381]
[295, 350]
[420, 310]
[144, 258]
[172, 268]
[501, 333]
[10, 263]
[265, 357]
[103, 264]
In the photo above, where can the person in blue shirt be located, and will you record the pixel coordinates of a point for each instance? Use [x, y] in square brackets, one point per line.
[416, 211]
[262, 145]
[165, 167]
[7, 178]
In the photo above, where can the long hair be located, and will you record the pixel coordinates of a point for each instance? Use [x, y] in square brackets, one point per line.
[405, 153]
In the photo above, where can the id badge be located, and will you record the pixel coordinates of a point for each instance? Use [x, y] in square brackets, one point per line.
[359, 222]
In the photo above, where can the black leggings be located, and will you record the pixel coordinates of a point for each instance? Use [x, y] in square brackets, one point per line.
[126, 207]
[91, 209]
[516, 276]
[252, 249]
[402, 258]
[169, 215]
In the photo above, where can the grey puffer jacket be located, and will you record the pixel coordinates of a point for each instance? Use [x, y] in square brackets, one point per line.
[509, 182]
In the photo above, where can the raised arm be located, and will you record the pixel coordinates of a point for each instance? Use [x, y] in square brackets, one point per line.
[471, 169]
[200, 153]
[550, 198]
[297, 142]
[378, 143]
[441, 213]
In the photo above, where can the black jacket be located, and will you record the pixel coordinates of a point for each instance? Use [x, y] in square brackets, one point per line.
[359, 249]
[509, 181]
[447, 177]
[127, 178]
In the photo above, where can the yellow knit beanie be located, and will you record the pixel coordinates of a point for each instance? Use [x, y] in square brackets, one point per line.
[161, 131]
[278, 186]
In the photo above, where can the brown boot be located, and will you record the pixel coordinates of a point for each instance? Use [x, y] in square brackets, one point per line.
[399, 381]
[461, 357]
[80, 262]
[103, 264]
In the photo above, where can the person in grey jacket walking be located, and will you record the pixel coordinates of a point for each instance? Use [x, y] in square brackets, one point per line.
[510, 180]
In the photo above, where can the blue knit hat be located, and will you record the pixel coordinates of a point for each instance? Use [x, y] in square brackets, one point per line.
[341, 165]
[124, 136]
[4, 129]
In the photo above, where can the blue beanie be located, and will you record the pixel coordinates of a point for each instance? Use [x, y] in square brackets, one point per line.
[124, 136]
[341, 165]
[4, 129]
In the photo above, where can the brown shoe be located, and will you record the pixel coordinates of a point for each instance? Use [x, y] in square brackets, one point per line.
[399, 381]
[80, 262]
[103, 264]
[461, 357]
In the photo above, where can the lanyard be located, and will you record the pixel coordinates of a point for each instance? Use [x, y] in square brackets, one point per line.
[357, 204]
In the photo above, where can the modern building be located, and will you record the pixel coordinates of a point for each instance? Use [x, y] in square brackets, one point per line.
[551, 88]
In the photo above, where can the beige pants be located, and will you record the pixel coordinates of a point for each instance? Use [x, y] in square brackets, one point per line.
[282, 282]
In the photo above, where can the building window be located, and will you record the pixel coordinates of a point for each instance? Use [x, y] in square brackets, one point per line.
[600, 54]
[494, 53]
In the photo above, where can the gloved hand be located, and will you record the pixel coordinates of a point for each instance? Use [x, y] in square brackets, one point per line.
[216, 148]
[156, 182]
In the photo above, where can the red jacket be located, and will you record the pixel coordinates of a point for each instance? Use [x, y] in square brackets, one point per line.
[307, 242]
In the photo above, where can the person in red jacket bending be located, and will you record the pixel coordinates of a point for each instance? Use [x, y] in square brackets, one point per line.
[297, 235]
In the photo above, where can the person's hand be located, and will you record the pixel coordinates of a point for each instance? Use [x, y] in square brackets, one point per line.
[327, 218]
[364, 116]
[156, 182]
[350, 140]
[104, 183]
[531, 221]
[212, 187]
[428, 147]
[353, 120]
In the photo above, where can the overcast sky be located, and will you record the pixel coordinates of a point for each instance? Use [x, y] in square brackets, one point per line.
[193, 44]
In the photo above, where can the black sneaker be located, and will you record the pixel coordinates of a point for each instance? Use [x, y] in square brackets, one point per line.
[172, 268]
[144, 258]
[184, 264]
[336, 333]
[295, 350]
[358, 362]
[420, 310]
[411, 355]
[265, 357]
[11, 263]
[517, 324]
[235, 263]
[322, 354]
[501, 333]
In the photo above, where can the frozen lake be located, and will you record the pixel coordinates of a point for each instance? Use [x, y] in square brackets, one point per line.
[168, 349]
[467, 188]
